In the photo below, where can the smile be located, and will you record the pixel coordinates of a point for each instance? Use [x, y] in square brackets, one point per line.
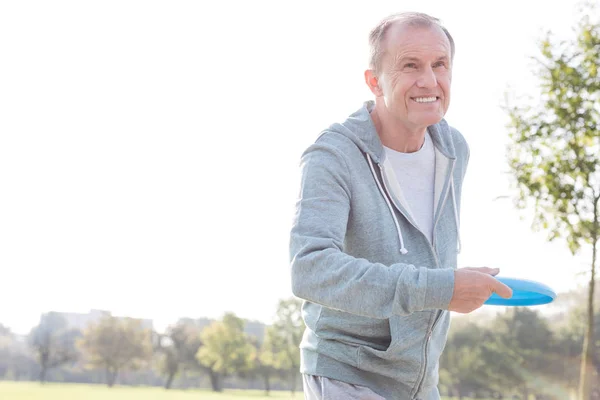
[425, 99]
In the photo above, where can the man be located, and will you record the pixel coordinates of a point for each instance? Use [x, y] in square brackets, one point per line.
[375, 236]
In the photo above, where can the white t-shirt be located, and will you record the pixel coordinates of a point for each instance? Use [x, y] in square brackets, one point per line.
[416, 176]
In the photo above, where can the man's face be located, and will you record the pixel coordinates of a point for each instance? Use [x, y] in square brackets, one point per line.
[415, 75]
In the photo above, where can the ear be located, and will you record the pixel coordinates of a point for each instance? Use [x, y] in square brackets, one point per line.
[373, 83]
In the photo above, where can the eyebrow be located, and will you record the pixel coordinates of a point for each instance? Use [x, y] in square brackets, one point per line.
[415, 59]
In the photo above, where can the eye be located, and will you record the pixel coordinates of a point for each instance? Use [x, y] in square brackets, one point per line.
[439, 64]
[410, 65]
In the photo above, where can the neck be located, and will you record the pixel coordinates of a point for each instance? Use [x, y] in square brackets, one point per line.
[394, 135]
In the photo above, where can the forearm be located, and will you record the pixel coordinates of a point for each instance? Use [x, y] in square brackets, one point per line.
[327, 276]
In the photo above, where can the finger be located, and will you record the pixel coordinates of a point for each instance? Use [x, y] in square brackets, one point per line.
[502, 290]
[484, 270]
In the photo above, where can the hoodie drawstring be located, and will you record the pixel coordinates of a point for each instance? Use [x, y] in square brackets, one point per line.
[387, 201]
[403, 249]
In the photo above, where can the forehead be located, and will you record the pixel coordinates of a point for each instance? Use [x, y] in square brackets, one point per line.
[416, 41]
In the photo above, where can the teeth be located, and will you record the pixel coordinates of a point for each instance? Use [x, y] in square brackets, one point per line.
[425, 99]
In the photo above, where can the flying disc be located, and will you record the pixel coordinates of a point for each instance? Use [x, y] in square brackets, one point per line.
[525, 293]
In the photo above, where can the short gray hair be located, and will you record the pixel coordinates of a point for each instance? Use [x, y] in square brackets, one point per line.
[377, 35]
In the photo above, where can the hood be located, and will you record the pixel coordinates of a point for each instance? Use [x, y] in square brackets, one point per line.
[359, 128]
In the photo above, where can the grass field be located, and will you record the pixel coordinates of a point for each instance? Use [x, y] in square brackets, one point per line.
[71, 391]
[50, 391]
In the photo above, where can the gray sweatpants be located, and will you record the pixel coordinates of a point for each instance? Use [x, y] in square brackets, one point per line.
[321, 388]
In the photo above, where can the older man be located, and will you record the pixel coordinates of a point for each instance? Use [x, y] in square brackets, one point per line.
[375, 236]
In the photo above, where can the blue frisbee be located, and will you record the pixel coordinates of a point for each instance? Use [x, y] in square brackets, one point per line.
[525, 293]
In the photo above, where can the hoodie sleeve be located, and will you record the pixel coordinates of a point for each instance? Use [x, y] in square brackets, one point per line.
[322, 273]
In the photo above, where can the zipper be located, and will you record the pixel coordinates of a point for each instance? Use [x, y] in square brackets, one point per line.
[440, 312]
[429, 335]
[433, 251]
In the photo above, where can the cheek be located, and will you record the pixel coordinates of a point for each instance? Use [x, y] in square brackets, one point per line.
[445, 86]
[400, 91]
[445, 81]
[447, 94]
[390, 85]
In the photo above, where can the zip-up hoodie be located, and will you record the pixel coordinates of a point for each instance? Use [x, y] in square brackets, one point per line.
[376, 290]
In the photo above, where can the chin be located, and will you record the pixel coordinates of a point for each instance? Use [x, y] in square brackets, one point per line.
[431, 121]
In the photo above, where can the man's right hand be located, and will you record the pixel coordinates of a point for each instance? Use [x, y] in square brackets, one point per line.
[473, 286]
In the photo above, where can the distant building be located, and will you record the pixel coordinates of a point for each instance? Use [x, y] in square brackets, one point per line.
[81, 321]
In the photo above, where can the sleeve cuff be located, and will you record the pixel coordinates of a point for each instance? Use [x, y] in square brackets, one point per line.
[440, 288]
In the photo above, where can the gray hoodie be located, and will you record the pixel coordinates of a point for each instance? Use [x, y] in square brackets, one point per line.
[376, 290]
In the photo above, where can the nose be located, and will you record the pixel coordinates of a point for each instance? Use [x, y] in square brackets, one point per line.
[427, 79]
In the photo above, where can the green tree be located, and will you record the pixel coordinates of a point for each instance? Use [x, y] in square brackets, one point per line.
[525, 336]
[53, 343]
[567, 353]
[167, 358]
[115, 344]
[569, 337]
[15, 360]
[516, 353]
[555, 153]
[462, 367]
[225, 349]
[503, 365]
[285, 335]
[176, 350]
[271, 356]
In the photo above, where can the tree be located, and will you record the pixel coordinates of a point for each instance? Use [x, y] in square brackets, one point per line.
[570, 340]
[177, 350]
[525, 336]
[269, 356]
[168, 359]
[6, 342]
[116, 344]
[516, 353]
[462, 365]
[5, 331]
[555, 153]
[53, 343]
[225, 349]
[285, 335]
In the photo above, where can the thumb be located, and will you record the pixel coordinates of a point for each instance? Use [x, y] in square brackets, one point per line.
[502, 290]
[484, 270]
[491, 271]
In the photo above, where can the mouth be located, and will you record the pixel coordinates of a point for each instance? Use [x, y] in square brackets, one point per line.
[428, 99]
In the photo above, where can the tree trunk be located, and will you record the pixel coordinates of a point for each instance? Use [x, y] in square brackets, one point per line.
[43, 374]
[267, 384]
[44, 359]
[170, 379]
[111, 376]
[587, 356]
[215, 381]
[525, 393]
[293, 380]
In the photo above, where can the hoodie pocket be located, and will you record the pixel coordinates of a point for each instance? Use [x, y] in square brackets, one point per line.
[341, 334]
[353, 329]
[403, 359]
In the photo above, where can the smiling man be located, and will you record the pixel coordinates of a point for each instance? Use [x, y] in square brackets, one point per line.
[375, 236]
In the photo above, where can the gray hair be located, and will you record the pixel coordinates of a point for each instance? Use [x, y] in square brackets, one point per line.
[416, 19]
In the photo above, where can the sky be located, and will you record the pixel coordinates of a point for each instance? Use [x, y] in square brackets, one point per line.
[149, 150]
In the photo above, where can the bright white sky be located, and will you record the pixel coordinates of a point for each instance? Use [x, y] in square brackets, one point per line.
[149, 149]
